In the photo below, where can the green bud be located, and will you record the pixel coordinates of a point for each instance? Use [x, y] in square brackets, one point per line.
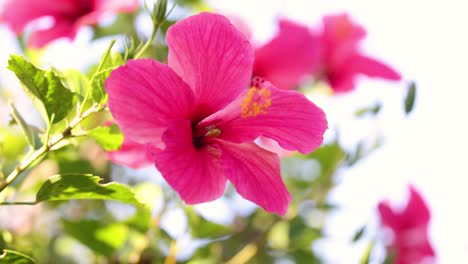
[159, 11]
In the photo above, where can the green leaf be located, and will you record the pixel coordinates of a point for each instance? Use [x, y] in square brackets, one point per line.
[306, 256]
[102, 238]
[28, 132]
[410, 98]
[202, 228]
[44, 87]
[147, 194]
[107, 64]
[372, 110]
[13, 257]
[302, 235]
[365, 259]
[84, 186]
[78, 82]
[110, 137]
[359, 233]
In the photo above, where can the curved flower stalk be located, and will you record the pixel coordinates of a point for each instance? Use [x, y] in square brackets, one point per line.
[198, 117]
[67, 15]
[409, 226]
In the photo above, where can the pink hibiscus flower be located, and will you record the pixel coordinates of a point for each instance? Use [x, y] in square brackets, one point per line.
[292, 55]
[199, 119]
[342, 60]
[409, 226]
[67, 15]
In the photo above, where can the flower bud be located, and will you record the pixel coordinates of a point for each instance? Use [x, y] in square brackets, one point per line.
[159, 11]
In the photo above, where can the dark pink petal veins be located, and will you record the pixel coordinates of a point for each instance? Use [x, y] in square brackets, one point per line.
[213, 58]
[289, 57]
[144, 96]
[255, 172]
[285, 116]
[195, 173]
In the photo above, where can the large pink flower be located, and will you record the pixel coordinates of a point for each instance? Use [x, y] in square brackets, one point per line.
[290, 56]
[199, 119]
[67, 15]
[342, 59]
[409, 226]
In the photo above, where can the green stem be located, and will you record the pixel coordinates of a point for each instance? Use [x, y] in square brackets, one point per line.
[148, 42]
[18, 203]
[39, 153]
[101, 64]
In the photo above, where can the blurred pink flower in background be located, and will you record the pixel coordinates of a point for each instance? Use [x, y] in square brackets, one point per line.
[289, 57]
[341, 57]
[329, 52]
[130, 154]
[68, 16]
[409, 227]
[199, 120]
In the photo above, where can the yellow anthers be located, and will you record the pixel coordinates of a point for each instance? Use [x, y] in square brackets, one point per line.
[213, 132]
[256, 102]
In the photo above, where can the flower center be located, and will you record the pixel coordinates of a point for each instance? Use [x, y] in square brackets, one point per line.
[201, 136]
[256, 102]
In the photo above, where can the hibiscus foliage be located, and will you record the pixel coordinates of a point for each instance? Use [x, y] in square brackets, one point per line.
[129, 150]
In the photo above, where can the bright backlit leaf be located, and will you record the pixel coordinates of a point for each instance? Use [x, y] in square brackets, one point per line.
[109, 137]
[84, 186]
[13, 257]
[102, 238]
[44, 87]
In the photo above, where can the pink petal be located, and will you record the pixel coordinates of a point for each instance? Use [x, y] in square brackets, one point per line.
[289, 57]
[196, 174]
[285, 116]
[372, 68]
[240, 24]
[116, 5]
[416, 211]
[18, 13]
[144, 96]
[108, 7]
[61, 29]
[255, 173]
[130, 154]
[387, 216]
[213, 57]
[339, 29]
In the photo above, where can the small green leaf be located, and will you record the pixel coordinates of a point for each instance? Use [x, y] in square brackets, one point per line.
[359, 233]
[27, 130]
[104, 239]
[410, 98]
[44, 87]
[106, 65]
[14, 257]
[202, 228]
[365, 259]
[372, 110]
[110, 137]
[84, 186]
[78, 82]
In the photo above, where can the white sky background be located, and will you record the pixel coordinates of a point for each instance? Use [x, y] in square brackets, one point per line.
[427, 42]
